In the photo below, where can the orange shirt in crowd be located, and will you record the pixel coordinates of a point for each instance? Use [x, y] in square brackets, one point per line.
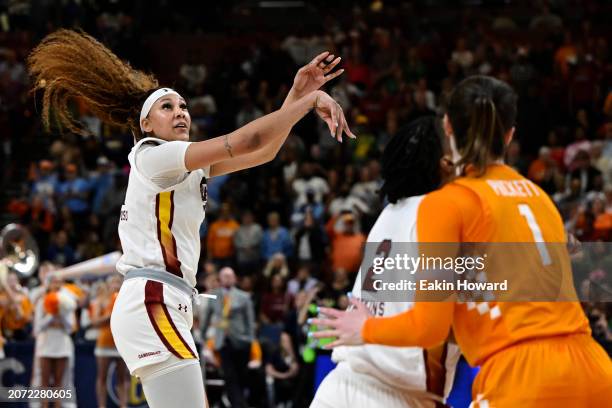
[105, 337]
[537, 170]
[562, 58]
[347, 251]
[14, 317]
[17, 319]
[603, 226]
[220, 240]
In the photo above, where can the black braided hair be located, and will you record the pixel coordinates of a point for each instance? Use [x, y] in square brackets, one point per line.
[411, 160]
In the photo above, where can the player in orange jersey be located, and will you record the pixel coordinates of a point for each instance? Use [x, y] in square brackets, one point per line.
[532, 354]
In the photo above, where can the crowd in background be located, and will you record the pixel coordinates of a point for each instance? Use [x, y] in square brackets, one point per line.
[293, 230]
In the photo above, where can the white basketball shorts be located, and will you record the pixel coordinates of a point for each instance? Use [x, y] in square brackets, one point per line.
[345, 388]
[150, 322]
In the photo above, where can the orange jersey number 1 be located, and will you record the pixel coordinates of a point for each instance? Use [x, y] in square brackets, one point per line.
[536, 231]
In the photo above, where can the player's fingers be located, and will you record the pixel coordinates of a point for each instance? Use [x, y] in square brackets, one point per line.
[328, 311]
[326, 61]
[357, 303]
[332, 65]
[334, 75]
[319, 58]
[321, 321]
[329, 122]
[334, 344]
[334, 119]
[339, 124]
[324, 334]
[347, 130]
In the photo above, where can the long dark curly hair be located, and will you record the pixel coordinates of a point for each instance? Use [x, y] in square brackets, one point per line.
[69, 65]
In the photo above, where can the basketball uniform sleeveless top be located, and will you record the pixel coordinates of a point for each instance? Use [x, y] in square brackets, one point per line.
[159, 228]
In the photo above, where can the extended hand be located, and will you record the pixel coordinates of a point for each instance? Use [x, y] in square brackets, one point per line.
[315, 74]
[345, 326]
[331, 112]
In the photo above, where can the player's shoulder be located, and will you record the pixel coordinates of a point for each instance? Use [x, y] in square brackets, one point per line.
[453, 194]
[405, 208]
[148, 142]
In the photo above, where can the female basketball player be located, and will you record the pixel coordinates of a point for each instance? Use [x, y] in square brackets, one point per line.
[166, 195]
[536, 354]
[416, 161]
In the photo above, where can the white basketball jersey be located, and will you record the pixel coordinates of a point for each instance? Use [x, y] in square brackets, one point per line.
[160, 228]
[399, 367]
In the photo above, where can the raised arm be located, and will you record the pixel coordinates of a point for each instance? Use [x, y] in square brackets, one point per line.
[307, 80]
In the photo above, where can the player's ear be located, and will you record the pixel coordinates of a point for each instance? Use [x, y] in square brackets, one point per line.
[446, 125]
[509, 136]
[146, 125]
[447, 167]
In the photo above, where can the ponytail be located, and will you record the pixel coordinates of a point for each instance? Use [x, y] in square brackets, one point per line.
[69, 65]
[483, 136]
[481, 111]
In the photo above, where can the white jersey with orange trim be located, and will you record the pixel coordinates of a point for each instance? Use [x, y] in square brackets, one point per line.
[159, 225]
[413, 369]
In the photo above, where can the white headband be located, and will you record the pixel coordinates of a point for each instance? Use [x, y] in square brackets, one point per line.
[146, 106]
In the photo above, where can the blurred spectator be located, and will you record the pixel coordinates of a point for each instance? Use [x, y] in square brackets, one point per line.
[281, 367]
[101, 182]
[335, 294]
[276, 239]
[462, 55]
[602, 160]
[546, 20]
[40, 221]
[315, 208]
[110, 209]
[514, 158]
[90, 248]
[310, 240]
[105, 350]
[303, 281]
[53, 324]
[346, 243]
[601, 329]
[345, 201]
[193, 73]
[234, 321]
[590, 178]
[247, 242]
[275, 302]
[580, 144]
[46, 184]
[248, 113]
[60, 251]
[422, 92]
[565, 55]
[309, 183]
[220, 241]
[15, 308]
[74, 193]
[277, 265]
